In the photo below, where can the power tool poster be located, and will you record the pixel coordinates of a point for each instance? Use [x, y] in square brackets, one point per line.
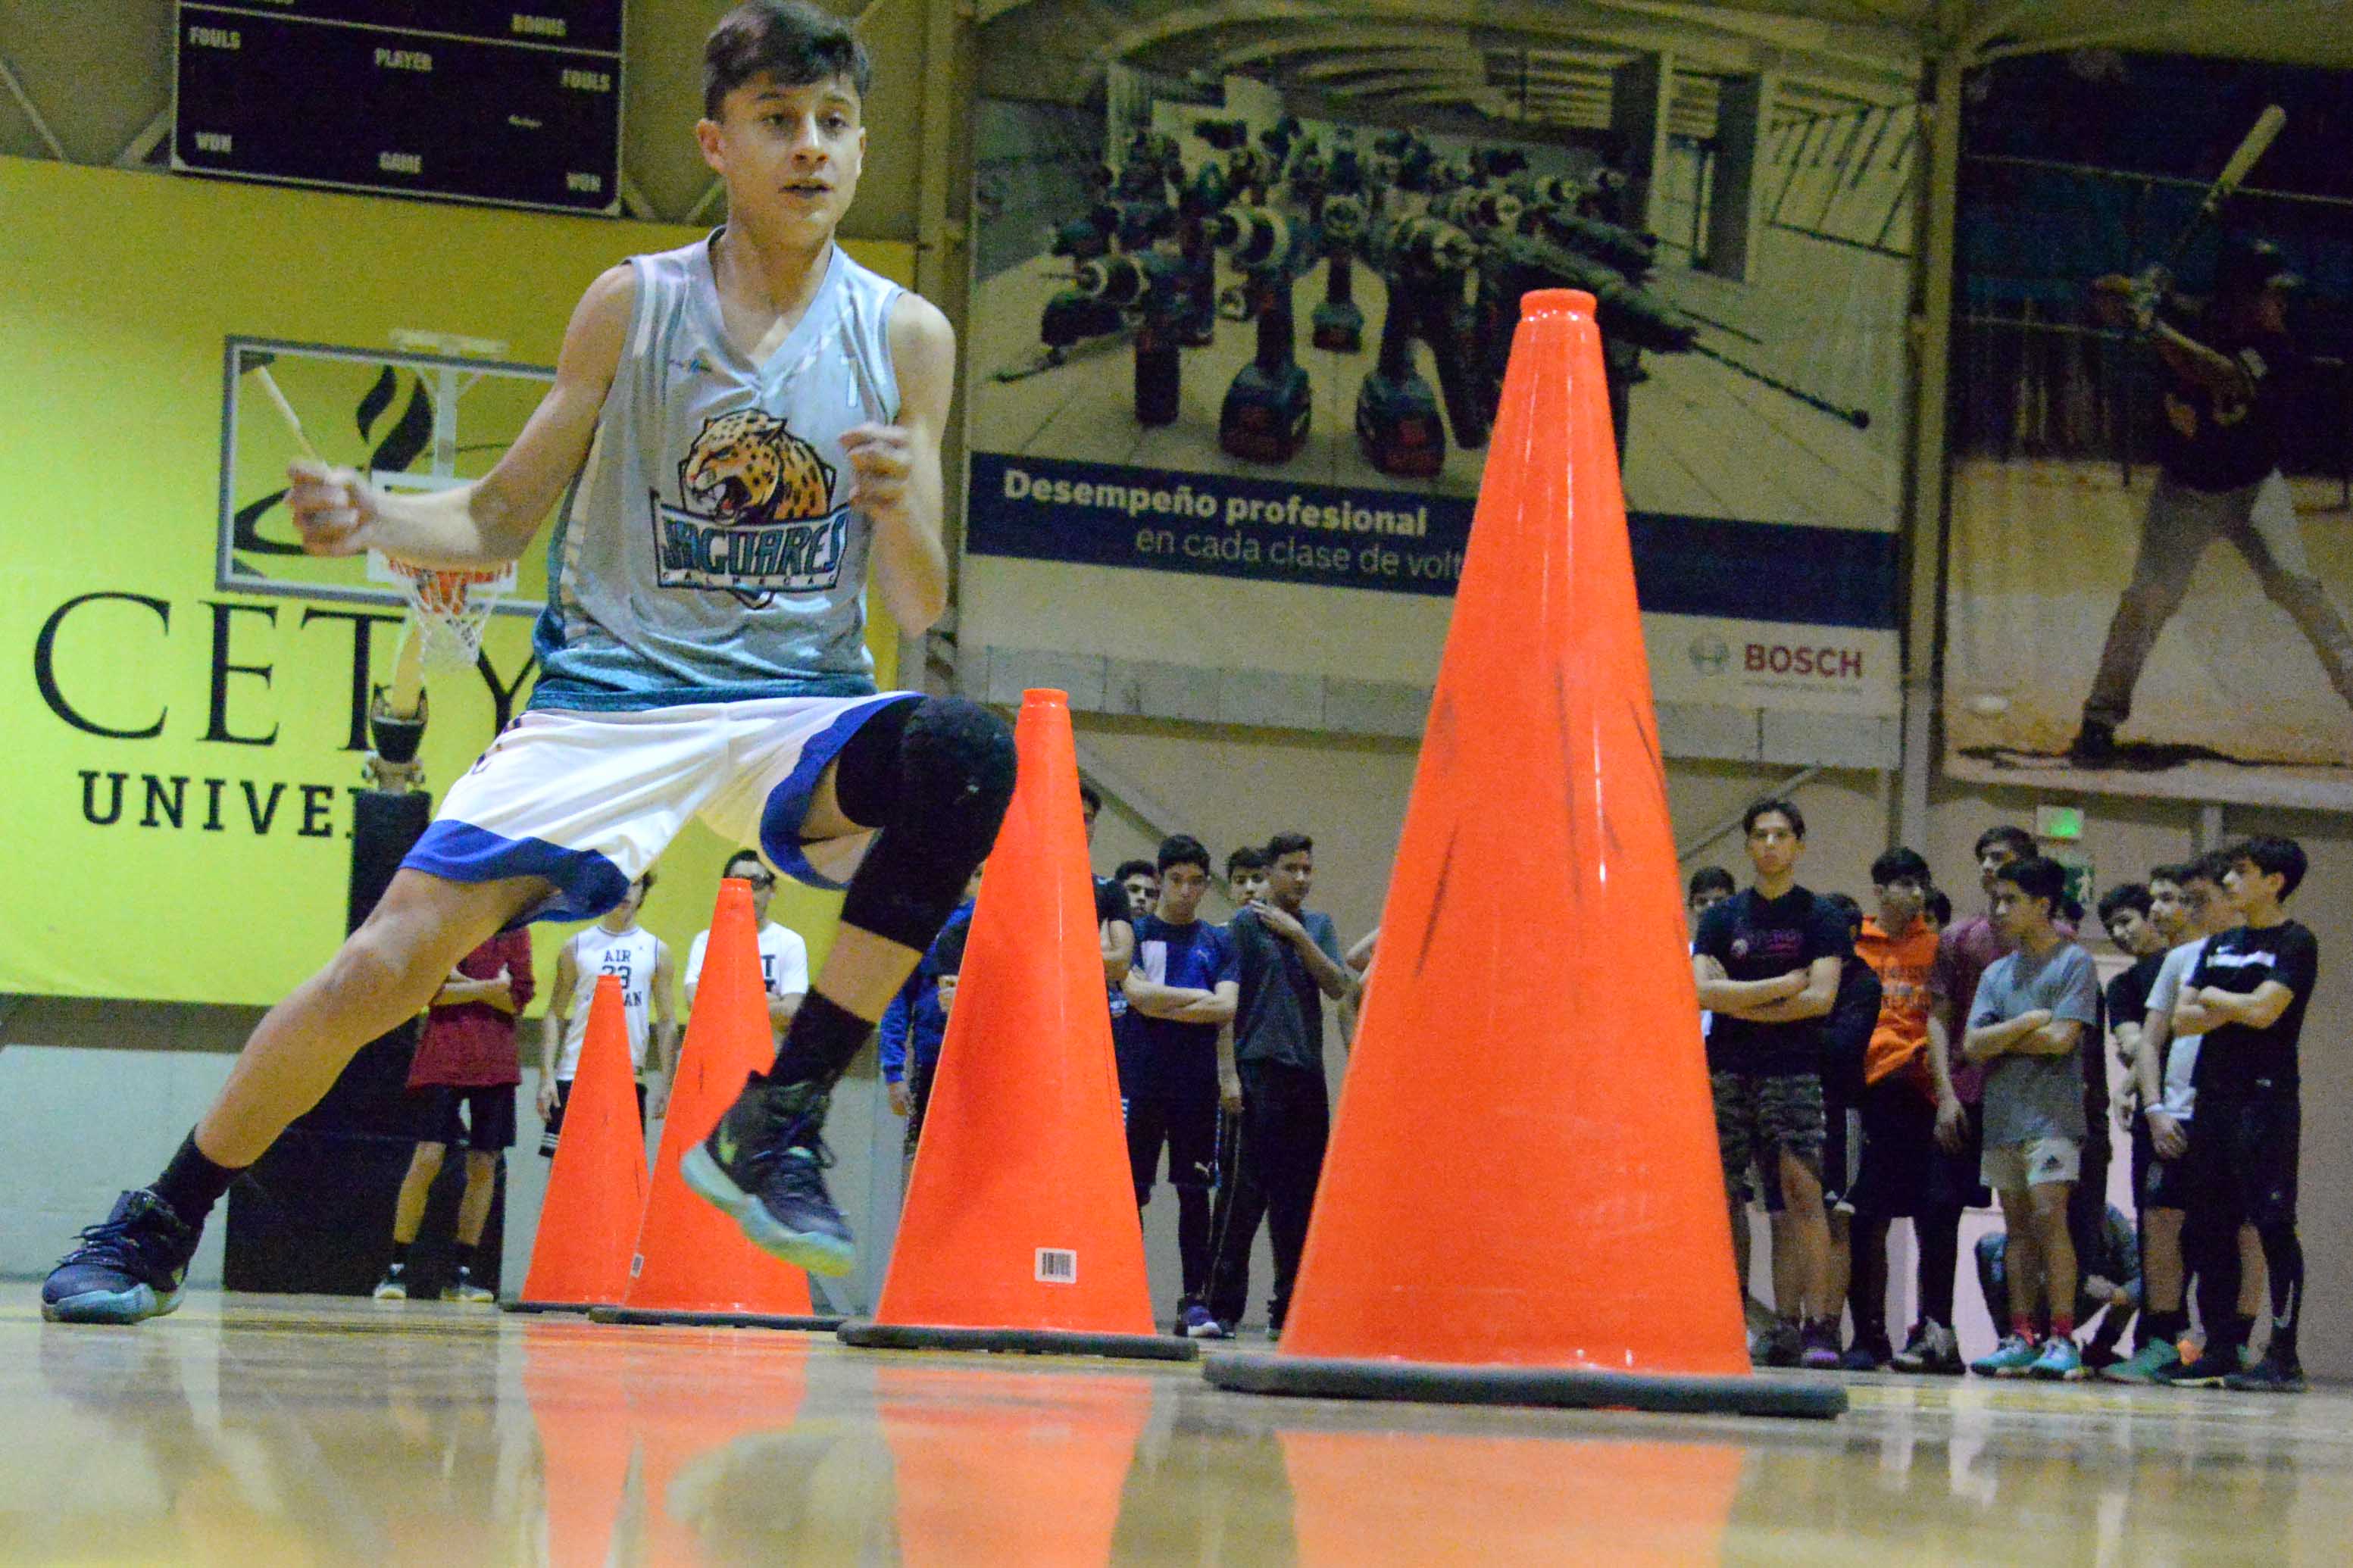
[1244, 297]
[2151, 579]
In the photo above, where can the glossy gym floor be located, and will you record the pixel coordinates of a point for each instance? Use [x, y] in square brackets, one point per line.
[263, 1430]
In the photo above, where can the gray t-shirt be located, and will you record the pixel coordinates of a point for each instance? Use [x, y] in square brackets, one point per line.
[2029, 1098]
[1281, 1014]
[2179, 1067]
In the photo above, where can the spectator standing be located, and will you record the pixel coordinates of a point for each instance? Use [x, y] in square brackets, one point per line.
[1846, 1041]
[1289, 961]
[2247, 999]
[1767, 966]
[465, 1063]
[2027, 1025]
[916, 1025]
[616, 945]
[784, 956]
[1184, 986]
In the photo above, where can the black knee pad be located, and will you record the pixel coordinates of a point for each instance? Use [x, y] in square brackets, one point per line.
[935, 777]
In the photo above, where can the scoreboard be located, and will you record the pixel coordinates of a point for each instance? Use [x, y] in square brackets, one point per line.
[511, 102]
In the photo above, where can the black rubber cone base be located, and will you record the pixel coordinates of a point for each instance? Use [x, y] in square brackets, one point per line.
[505, 1306]
[1577, 1389]
[876, 1336]
[812, 1324]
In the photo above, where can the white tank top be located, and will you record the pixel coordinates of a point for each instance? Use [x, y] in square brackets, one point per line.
[629, 958]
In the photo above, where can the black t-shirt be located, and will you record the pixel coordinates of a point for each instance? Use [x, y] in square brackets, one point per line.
[1846, 1030]
[2128, 992]
[1757, 939]
[2235, 1060]
[2210, 442]
[1112, 905]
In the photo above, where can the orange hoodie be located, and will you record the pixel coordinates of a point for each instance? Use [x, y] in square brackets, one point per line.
[1900, 1043]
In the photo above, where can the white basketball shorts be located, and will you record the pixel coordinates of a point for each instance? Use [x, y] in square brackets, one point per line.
[589, 801]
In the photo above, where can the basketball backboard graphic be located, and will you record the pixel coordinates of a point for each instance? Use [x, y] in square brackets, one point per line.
[408, 421]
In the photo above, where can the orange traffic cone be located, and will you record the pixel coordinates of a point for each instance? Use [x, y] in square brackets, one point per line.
[1020, 1231]
[597, 1189]
[1573, 1248]
[692, 1265]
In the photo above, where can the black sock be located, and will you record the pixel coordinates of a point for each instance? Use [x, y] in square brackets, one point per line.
[1939, 1239]
[191, 1183]
[463, 1253]
[819, 1043]
[400, 1257]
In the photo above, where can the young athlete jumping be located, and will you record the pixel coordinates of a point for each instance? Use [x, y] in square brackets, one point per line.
[737, 430]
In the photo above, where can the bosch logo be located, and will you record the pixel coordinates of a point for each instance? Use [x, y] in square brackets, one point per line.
[1824, 663]
[1709, 654]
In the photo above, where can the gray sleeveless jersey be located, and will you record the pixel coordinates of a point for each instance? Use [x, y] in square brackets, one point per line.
[705, 553]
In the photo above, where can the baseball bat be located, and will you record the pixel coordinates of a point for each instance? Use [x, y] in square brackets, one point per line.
[2256, 142]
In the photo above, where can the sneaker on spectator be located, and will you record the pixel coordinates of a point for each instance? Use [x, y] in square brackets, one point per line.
[2211, 1369]
[2272, 1375]
[2060, 1362]
[1782, 1345]
[1932, 1351]
[1866, 1355]
[393, 1286]
[2098, 1357]
[1198, 1324]
[463, 1289]
[2147, 1364]
[1819, 1347]
[2009, 1358]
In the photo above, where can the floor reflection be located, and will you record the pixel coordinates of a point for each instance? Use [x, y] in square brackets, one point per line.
[334, 1431]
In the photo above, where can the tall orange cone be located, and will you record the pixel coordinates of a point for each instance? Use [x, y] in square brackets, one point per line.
[597, 1189]
[1571, 1246]
[1020, 1230]
[692, 1265]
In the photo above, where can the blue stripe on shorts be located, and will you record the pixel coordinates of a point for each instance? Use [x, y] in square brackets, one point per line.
[788, 802]
[586, 883]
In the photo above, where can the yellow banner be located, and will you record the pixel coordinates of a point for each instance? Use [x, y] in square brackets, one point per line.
[182, 759]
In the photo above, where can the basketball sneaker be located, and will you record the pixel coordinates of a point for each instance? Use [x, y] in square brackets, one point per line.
[2275, 1373]
[1819, 1347]
[1866, 1355]
[1198, 1324]
[393, 1286]
[2061, 1362]
[765, 1164]
[2147, 1364]
[2009, 1358]
[1932, 1351]
[463, 1289]
[2214, 1367]
[132, 1266]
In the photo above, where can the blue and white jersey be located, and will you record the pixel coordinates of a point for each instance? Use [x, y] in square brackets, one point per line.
[706, 552]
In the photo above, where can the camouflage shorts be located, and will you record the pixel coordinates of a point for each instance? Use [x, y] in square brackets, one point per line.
[1759, 1117]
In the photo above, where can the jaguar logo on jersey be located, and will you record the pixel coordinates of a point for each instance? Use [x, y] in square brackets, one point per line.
[758, 517]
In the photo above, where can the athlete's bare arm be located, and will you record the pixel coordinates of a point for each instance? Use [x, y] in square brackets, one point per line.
[898, 466]
[490, 522]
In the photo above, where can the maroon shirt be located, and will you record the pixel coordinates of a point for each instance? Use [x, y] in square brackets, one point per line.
[472, 1045]
[1965, 951]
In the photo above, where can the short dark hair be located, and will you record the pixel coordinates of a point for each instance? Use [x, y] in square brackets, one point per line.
[947, 950]
[1245, 859]
[1182, 849]
[1788, 808]
[2211, 866]
[1848, 910]
[1133, 868]
[2037, 877]
[1089, 796]
[793, 41]
[2174, 871]
[2022, 843]
[1283, 844]
[646, 880]
[2128, 896]
[2272, 856]
[1940, 905]
[1897, 864]
[742, 855]
[1710, 879]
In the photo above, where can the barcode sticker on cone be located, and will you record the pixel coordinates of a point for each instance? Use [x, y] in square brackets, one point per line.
[1058, 1266]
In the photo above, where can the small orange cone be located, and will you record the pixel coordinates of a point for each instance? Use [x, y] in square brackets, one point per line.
[1572, 1247]
[597, 1189]
[1020, 1230]
[692, 1265]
